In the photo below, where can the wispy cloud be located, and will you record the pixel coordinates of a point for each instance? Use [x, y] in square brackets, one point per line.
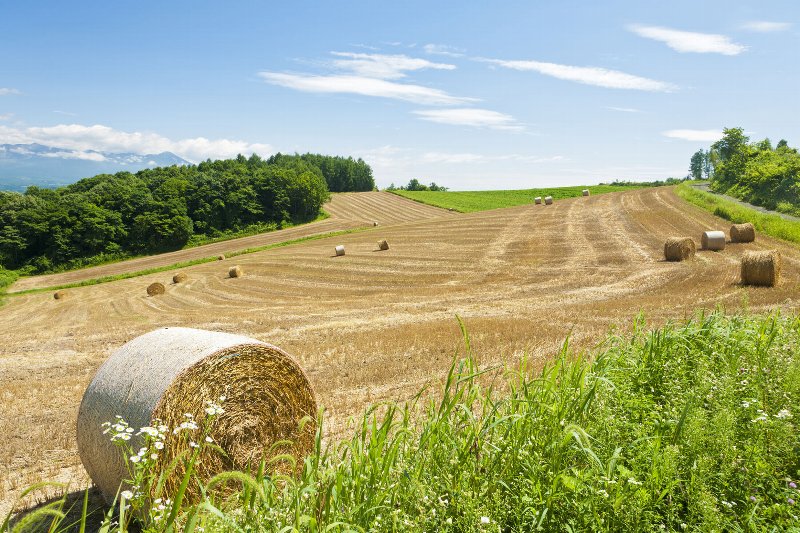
[623, 109]
[443, 50]
[600, 77]
[346, 84]
[694, 135]
[67, 113]
[455, 158]
[479, 118]
[384, 66]
[688, 41]
[5, 91]
[7, 116]
[763, 26]
[80, 138]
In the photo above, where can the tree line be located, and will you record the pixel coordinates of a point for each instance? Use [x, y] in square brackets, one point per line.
[415, 185]
[756, 172]
[154, 210]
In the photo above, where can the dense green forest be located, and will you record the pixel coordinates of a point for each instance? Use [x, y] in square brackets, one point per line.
[114, 216]
[341, 174]
[755, 172]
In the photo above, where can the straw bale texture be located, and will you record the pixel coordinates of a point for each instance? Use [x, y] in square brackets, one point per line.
[548, 200]
[713, 240]
[156, 288]
[180, 277]
[585, 192]
[679, 248]
[235, 272]
[60, 295]
[340, 249]
[383, 245]
[537, 200]
[761, 268]
[743, 232]
[159, 376]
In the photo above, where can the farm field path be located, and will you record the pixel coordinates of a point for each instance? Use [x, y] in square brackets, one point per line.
[379, 325]
[346, 210]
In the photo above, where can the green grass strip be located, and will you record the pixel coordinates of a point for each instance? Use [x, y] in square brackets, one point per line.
[772, 225]
[471, 201]
[183, 264]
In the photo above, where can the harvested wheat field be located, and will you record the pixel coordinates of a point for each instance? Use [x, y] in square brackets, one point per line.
[374, 325]
[346, 210]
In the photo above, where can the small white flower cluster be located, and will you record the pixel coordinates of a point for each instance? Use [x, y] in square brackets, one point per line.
[159, 508]
[783, 413]
[632, 481]
[213, 408]
[189, 424]
[120, 430]
[762, 416]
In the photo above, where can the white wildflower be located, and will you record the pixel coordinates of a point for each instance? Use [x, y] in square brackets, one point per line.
[209, 439]
[633, 481]
[135, 458]
[126, 495]
[158, 445]
[485, 520]
[783, 413]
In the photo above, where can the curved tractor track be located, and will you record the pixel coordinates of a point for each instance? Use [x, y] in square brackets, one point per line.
[346, 210]
[375, 325]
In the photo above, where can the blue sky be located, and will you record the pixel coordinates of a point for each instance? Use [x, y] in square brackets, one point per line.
[472, 95]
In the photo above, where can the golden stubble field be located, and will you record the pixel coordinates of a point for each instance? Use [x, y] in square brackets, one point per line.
[377, 325]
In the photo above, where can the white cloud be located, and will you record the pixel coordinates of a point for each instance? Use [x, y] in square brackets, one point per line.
[344, 84]
[624, 109]
[443, 50]
[480, 118]
[75, 154]
[455, 158]
[687, 41]
[763, 26]
[7, 116]
[695, 135]
[76, 137]
[600, 77]
[7, 90]
[384, 66]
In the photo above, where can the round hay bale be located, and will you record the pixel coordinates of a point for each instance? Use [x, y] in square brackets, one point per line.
[585, 192]
[679, 248]
[375, 224]
[713, 240]
[160, 376]
[235, 272]
[180, 277]
[383, 245]
[743, 232]
[155, 289]
[60, 295]
[340, 250]
[537, 200]
[221, 257]
[761, 268]
[548, 200]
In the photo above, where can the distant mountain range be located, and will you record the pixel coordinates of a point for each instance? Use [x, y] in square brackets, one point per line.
[22, 165]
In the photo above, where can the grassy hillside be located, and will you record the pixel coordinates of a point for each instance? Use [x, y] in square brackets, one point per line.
[470, 201]
[772, 225]
[691, 427]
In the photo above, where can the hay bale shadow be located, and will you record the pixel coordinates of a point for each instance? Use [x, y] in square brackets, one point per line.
[73, 509]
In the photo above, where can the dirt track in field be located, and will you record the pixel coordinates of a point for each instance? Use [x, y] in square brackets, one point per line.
[379, 325]
[346, 210]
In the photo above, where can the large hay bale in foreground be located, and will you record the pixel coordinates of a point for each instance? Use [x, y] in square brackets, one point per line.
[585, 192]
[340, 250]
[180, 277]
[157, 377]
[60, 295]
[155, 289]
[743, 232]
[537, 200]
[761, 268]
[679, 248]
[235, 272]
[383, 245]
[548, 200]
[713, 240]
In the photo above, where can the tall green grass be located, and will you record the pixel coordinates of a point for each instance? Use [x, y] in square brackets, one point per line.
[772, 225]
[690, 427]
[470, 201]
